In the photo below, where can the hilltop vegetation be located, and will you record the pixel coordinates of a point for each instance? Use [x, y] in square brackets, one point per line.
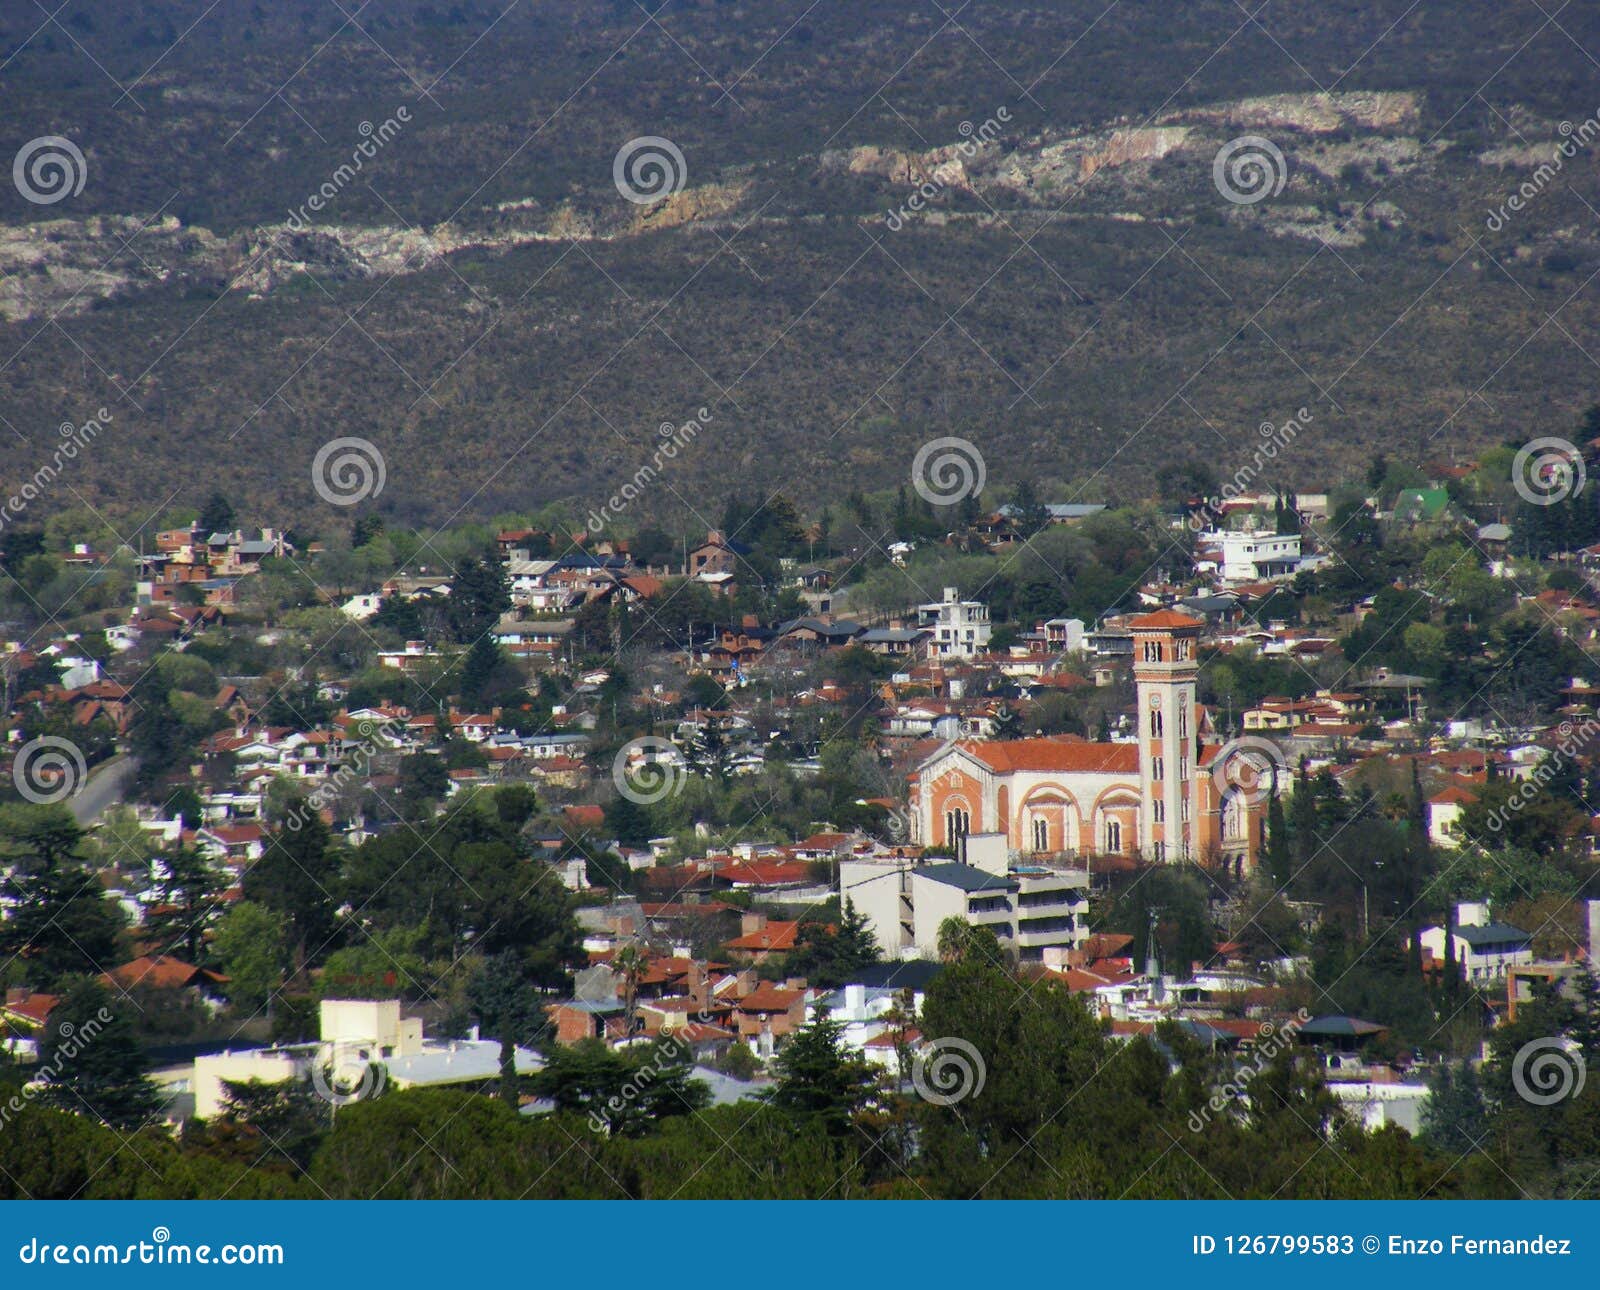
[1083, 309]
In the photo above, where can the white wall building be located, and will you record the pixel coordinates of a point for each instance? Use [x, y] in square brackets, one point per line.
[1030, 908]
[1258, 556]
[960, 627]
[356, 1035]
[1484, 949]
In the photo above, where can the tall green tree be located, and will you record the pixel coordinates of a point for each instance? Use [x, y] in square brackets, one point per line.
[92, 1061]
[829, 956]
[217, 516]
[504, 998]
[1455, 1118]
[623, 1092]
[188, 891]
[252, 948]
[821, 1081]
[60, 920]
[479, 594]
[298, 877]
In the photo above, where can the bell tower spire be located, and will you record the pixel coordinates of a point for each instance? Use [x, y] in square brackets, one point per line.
[1166, 672]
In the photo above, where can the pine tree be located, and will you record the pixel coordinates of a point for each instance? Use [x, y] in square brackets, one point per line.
[60, 920]
[819, 1080]
[1455, 1117]
[188, 899]
[1028, 514]
[297, 877]
[479, 670]
[707, 752]
[1279, 863]
[479, 594]
[218, 515]
[1303, 808]
[831, 957]
[92, 1062]
[628, 821]
[503, 998]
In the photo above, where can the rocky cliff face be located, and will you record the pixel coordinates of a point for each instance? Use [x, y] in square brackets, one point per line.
[67, 266]
[1311, 113]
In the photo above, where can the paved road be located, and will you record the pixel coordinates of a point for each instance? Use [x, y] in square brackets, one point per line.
[103, 788]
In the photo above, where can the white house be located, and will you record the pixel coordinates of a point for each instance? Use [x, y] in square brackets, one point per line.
[357, 1034]
[1483, 948]
[1257, 556]
[1444, 816]
[960, 627]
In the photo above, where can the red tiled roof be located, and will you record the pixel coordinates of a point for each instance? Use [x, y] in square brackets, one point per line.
[767, 997]
[1056, 755]
[764, 873]
[1162, 619]
[1104, 945]
[681, 909]
[161, 972]
[29, 1006]
[774, 936]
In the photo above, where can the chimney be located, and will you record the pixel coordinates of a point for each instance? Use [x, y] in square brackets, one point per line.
[699, 985]
[752, 923]
[746, 981]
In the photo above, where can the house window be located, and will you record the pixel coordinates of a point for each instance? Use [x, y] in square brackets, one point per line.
[1155, 723]
[1152, 651]
[1113, 835]
[1183, 722]
[1161, 811]
[1157, 770]
[1183, 648]
[1186, 810]
[1041, 835]
[1183, 769]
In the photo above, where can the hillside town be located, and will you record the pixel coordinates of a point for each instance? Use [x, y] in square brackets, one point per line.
[1293, 780]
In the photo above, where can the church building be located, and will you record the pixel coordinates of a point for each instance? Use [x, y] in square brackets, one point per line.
[1161, 797]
